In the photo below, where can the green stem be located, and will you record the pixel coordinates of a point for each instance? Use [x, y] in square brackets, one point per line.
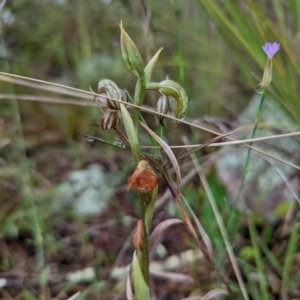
[139, 95]
[160, 131]
[252, 136]
[145, 251]
[234, 213]
[153, 141]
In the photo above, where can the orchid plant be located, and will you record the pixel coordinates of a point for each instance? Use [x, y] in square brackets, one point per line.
[144, 179]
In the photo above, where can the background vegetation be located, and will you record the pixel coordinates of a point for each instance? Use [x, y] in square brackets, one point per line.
[213, 49]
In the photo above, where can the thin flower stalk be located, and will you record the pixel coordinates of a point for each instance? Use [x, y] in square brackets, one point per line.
[270, 49]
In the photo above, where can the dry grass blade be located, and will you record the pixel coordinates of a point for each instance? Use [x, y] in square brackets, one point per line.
[169, 153]
[129, 292]
[172, 276]
[201, 230]
[44, 85]
[258, 139]
[44, 99]
[4, 142]
[285, 180]
[74, 296]
[192, 231]
[211, 141]
[210, 295]
[57, 88]
[160, 228]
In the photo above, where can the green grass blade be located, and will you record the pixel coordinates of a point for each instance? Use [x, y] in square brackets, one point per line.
[291, 249]
[259, 261]
[131, 133]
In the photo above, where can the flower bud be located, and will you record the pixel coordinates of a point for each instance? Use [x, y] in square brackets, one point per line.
[270, 49]
[162, 106]
[267, 77]
[109, 89]
[110, 119]
[177, 97]
[143, 179]
[131, 54]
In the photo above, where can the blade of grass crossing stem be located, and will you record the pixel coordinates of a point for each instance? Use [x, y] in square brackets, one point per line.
[131, 133]
[170, 155]
[140, 287]
[292, 247]
[258, 260]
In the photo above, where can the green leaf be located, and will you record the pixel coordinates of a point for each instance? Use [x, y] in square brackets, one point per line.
[140, 287]
[260, 265]
[289, 259]
[246, 252]
[150, 66]
[131, 133]
[150, 208]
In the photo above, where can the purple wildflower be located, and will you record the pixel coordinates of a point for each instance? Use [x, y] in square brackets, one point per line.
[271, 48]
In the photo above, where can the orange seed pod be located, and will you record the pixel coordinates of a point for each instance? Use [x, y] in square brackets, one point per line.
[138, 237]
[143, 179]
